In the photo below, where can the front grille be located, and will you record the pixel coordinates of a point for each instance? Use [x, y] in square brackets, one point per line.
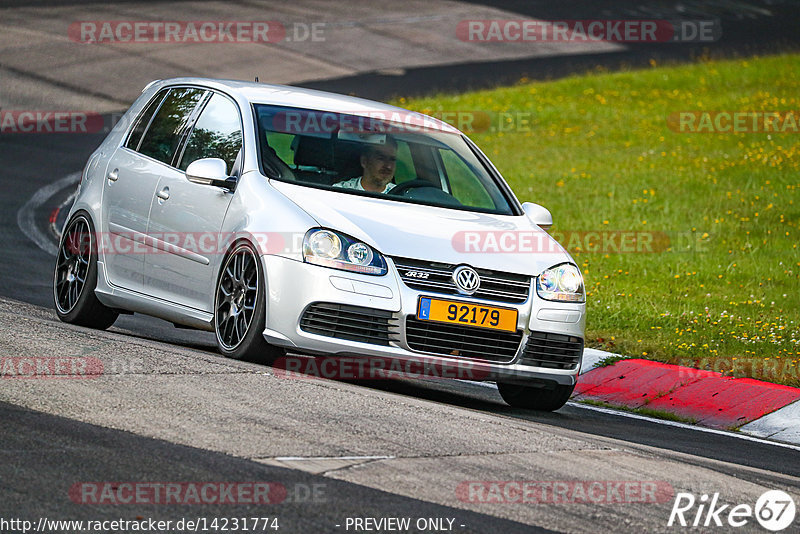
[462, 341]
[438, 277]
[554, 351]
[354, 323]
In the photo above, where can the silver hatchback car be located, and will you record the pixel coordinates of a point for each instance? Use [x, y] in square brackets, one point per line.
[289, 219]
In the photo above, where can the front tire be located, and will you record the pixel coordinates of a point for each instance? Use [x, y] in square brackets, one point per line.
[75, 277]
[240, 308]
[542, 399]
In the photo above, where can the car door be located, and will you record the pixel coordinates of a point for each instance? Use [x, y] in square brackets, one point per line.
[132, 175]
[186, 218]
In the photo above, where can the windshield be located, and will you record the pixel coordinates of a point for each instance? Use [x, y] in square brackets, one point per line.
[405, 157]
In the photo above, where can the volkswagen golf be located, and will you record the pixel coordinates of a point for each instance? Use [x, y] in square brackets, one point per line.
[289, 219]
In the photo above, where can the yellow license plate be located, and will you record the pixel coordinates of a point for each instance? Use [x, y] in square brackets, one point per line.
[464, 313]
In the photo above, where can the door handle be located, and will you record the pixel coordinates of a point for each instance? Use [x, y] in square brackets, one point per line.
[113, 176]
[163, 194]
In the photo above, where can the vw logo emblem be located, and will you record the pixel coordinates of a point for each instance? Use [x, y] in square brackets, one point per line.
[466, 279]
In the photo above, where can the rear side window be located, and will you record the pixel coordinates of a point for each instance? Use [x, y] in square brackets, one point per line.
[144, 119]
[164, 134]
[216, 134]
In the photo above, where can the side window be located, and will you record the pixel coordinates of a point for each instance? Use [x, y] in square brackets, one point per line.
[162, 138]
[216, 134]
[281, 143]
[144, 119]
[463, 182]
[405, 164]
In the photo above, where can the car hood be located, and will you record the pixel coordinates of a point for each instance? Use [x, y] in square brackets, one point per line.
[497, 242]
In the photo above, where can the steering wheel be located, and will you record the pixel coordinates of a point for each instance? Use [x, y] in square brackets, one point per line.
[411, 184]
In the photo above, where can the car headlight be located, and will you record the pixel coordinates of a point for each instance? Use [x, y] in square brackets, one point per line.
[338, 251]
[562, 283]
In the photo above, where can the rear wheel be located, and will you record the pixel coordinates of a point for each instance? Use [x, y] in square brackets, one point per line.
[75, 278]
[545, 399]
[240, 309]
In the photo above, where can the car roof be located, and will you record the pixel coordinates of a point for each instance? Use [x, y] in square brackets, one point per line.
[298, 97]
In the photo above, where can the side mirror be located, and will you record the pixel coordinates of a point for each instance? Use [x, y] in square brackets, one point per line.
[210, 171]
[538, 215]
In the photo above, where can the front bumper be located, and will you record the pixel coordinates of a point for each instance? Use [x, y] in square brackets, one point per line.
[293, 286]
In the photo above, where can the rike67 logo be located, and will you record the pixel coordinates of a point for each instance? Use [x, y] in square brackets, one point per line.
[774, 510]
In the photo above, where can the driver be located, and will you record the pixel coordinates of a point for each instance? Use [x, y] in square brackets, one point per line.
[378, 163]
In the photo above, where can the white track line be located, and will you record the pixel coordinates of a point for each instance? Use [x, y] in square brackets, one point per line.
[657, 421]
[54, 228]
[26, 215]
[683, 425]
[314, 458]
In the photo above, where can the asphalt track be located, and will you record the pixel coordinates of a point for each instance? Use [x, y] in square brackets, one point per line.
[187, 414]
